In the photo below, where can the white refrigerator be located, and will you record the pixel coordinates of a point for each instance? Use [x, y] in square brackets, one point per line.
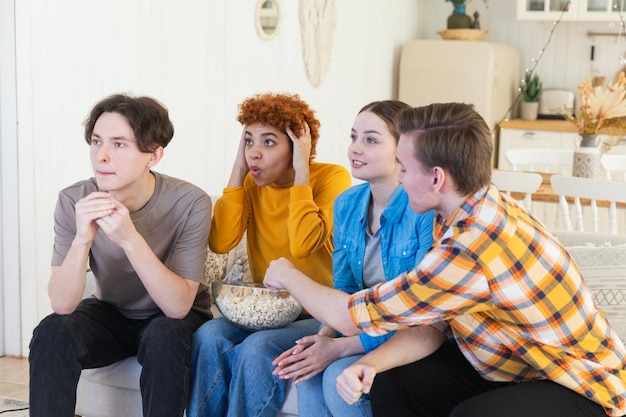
[485, 74]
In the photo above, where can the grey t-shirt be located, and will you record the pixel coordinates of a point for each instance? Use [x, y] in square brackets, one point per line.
[175, 223]
[373, 271]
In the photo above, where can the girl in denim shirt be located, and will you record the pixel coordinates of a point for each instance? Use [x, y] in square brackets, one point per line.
[377, 237]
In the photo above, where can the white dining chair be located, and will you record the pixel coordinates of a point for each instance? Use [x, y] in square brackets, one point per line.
[517, 182]
[550, 160]
[593, 190]
[614, 164]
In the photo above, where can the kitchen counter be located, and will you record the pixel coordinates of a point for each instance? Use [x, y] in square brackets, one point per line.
[553, 125]
[550, 125]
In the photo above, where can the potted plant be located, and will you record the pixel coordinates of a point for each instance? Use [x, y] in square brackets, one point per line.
[531, 92]
[458, 19]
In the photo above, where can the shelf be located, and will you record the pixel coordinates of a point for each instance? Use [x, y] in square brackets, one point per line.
[577, 10]
[553, 125]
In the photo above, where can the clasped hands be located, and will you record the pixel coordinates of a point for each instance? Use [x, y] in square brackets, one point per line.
[101, 210]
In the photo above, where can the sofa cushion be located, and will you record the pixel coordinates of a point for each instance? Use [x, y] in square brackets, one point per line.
[237, 266]
[214, 264]
[577, 238]
[123, 374]
[604, 269]
[227, 266]
[290, 406]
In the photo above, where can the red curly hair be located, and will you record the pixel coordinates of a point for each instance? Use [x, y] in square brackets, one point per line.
[281, 111]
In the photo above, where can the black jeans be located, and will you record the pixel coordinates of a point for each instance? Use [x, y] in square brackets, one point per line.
[445, 384]
[96, 335]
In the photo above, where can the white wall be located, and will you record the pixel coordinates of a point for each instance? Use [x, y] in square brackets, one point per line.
[9, 233]
[201, 58]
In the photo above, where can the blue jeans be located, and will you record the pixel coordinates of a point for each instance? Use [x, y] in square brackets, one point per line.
[318, 396]
[96, 335]
[232, 368]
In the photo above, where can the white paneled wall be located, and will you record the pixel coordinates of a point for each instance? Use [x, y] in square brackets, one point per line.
[199, 57]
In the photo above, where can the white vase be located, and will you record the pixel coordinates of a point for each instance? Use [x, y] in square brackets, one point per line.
[529, 110]
[587, 158]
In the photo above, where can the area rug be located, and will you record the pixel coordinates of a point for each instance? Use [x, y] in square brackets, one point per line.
[13, 408]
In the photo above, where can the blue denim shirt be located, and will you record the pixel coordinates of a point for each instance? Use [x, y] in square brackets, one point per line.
[405, 237]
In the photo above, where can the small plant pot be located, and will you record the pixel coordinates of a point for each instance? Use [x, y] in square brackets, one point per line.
[458, 19]
[530, 110]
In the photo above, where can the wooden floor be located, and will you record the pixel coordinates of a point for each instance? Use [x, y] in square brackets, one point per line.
[14, 378]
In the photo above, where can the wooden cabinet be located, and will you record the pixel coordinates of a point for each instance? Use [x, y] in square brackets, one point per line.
[579, 10]
[524, 134]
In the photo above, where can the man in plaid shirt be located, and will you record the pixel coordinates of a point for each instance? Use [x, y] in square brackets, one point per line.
[526, 338]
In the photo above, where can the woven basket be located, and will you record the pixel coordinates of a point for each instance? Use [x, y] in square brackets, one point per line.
[463, 34]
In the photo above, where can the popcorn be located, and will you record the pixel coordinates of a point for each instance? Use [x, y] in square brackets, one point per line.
[256, 308]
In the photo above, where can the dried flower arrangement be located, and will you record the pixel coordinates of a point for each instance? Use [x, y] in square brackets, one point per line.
[602, 110]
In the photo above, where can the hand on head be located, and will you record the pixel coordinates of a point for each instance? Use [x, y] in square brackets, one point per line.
[241, 164]
[301, 152]
[240, 160]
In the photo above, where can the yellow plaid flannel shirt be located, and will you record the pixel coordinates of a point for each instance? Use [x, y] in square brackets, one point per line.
[513, 299]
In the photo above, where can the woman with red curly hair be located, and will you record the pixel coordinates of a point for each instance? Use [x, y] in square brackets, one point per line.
[283, 201]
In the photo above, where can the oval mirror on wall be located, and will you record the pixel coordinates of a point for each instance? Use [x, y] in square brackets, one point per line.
[267, 18]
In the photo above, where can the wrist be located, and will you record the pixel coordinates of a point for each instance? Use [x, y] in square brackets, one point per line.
[237, 177]
[350, 345]
[80, 243]
[302, 177]
[327, 331]
[132, 242]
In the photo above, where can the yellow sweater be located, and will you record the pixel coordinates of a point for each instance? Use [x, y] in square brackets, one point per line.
[294, 222]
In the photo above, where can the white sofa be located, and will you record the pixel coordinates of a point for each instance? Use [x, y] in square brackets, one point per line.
[114, 390]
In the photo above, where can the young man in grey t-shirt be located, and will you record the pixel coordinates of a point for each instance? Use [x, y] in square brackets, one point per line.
[144, 236]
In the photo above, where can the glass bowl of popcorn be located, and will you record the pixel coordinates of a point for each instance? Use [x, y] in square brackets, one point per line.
[253, 306]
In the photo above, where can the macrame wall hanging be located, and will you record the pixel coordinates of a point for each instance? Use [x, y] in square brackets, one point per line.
[317, 30]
